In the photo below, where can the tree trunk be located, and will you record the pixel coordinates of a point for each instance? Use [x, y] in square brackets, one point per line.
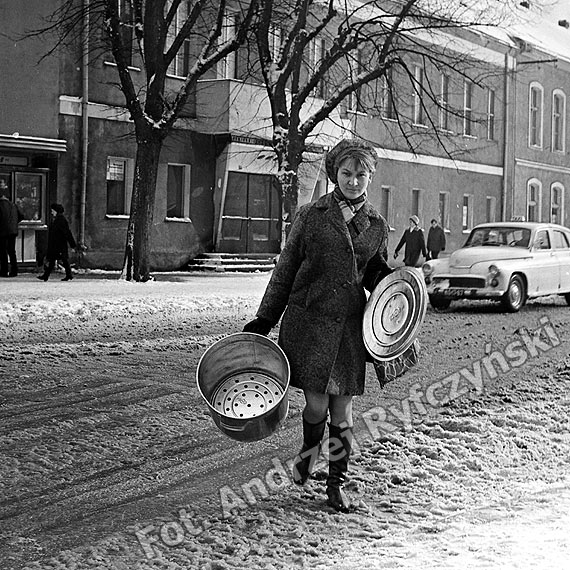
[136, 266]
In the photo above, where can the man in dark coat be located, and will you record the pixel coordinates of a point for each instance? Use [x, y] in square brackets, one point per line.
[10, 217]
[435, 240]
[413, 240]
[58, 237]
[334, 250]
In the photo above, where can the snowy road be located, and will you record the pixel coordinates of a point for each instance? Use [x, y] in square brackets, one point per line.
[108, 458]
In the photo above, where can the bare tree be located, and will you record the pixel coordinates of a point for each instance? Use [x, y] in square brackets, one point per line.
[159, 35]
[317, 55]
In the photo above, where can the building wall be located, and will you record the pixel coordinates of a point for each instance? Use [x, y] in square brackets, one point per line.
[543, 165]
[29, 87]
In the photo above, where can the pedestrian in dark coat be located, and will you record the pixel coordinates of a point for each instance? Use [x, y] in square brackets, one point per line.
[336, 248]
[59, 237]
[435, 240]
[413, 240]
[10, 217]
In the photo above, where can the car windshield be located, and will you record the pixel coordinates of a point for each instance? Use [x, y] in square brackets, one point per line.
[498, 236]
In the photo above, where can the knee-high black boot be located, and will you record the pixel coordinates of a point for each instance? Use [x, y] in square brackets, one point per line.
[306, 458]
[341, 443]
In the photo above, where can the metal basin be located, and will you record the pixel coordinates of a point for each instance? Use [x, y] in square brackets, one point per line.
[243, 379]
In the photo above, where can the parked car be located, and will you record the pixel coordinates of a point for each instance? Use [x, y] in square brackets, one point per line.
[508, 262]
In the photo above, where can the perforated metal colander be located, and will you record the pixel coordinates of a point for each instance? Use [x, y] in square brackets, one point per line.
[246, 395]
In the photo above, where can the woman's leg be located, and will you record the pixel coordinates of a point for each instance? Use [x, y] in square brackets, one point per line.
[340, 448]
[314, 424]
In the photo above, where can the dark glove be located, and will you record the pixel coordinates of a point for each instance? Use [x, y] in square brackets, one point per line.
[258, 326]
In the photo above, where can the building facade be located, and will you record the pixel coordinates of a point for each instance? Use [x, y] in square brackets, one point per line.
[65, 136]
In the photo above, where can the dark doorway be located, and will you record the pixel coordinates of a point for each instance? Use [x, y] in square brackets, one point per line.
[251, 214]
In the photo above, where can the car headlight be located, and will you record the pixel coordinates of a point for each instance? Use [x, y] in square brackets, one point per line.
[493, 270]
[427, 269]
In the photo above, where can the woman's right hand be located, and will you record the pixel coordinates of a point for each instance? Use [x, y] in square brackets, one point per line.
[258, 326]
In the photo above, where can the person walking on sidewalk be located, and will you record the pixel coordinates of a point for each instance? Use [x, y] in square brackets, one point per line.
[435, 240]
[335, 249]
[59, 236]
[10, 217]
[413, 240]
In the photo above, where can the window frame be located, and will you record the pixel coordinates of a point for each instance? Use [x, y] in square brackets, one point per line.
[467, 213]
[535, 203]
[387, 204]
[418, 109]
[468, 109]
[227, 67]
[186, 192]
[387, 107]
[559, 122]
[491, 100]
[444, 217]
[556, 187]
[444, 103]
[490, 209]
[535, 116]
[129, 171]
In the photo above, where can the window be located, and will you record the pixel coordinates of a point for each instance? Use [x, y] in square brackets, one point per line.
[119, 185]
[468, 108]
[444, 103]
[416, 203]
[558, 121]
[444, 209]
[317, 54]
[535, 115]
[467, 214]
[490, 115]
[542, 241]
[387, 99]
[178, 191]
[560, 240]
[533, 200]
[557, 204]
[418, 95]
[227, 66]
[490, 210]
[181, 63]
[386, 204]
[355, 98]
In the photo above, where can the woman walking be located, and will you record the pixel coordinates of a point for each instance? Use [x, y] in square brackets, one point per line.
[59, 236]
[336, 248]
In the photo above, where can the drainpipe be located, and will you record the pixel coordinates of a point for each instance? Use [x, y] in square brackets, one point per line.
[84, 124]
[508, 139]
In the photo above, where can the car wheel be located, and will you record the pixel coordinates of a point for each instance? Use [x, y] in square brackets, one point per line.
[515, 296]
[439, 303]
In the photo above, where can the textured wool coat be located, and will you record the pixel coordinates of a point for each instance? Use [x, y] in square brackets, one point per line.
[318, 284]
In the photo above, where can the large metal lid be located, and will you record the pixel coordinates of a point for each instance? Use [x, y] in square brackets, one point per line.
[394, 313]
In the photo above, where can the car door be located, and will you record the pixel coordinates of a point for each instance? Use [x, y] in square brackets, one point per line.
[561, 243]
[545, 263]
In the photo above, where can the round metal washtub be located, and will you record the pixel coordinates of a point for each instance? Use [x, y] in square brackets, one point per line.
[243, 379]
[394, 314]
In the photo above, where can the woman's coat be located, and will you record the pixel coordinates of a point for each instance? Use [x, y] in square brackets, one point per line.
[58, 237]
[319, 285]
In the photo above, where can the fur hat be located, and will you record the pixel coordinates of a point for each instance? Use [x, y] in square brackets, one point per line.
[415, 219]
[57, 208]
[340, 150]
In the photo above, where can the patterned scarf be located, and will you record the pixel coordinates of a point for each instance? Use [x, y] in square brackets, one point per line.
[349, 208]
